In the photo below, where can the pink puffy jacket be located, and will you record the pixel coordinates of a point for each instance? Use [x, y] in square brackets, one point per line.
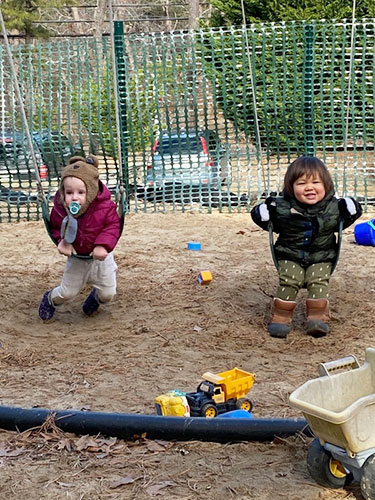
[99, 225]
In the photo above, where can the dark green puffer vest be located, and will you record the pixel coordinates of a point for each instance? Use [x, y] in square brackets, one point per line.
[306, 232]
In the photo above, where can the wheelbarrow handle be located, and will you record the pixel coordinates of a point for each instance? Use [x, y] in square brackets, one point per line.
[328, 368]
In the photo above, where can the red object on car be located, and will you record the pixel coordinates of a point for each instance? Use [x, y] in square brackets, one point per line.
[43, 172]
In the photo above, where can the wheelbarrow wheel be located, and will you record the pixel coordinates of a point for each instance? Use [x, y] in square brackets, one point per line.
[368, 479]
[324, 469]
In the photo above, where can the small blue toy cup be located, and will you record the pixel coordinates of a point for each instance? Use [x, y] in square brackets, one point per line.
[364, 233]
[194, 245]
[236, 414]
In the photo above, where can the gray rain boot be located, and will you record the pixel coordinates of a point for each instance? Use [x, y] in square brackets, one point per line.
[317, 317]
[281, 321]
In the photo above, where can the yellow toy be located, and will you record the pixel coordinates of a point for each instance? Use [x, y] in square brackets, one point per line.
[174, 404]
[216, 394]
[205, 277]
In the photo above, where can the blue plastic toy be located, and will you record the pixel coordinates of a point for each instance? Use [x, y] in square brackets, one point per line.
[236, 414]
[194, 245]
[364, 233]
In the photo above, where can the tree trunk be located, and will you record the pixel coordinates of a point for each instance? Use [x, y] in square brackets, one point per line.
[101, 12]
[77, 27]
[193, 14]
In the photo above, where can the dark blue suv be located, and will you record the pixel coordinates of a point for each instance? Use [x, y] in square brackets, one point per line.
[52, 151]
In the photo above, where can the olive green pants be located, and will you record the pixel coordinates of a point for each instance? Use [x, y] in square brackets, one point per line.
[293, 277]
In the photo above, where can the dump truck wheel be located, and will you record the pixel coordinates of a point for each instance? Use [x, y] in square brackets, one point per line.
[244, 404]
[209, 410]
[324, 469]
[368, 479]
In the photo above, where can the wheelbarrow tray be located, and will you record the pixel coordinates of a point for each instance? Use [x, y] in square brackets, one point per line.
[340, 408]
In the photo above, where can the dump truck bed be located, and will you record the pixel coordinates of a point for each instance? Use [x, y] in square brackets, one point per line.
[340, 408]
[236, 382]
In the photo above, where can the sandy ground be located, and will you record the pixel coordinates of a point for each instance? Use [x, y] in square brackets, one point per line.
[162, 332]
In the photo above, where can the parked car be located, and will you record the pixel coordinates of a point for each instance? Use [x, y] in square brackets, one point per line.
[188, 158]
[52, 151]
[56, 149]
[16, 158]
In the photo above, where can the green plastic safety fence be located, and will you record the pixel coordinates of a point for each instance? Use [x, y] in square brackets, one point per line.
[201, 130]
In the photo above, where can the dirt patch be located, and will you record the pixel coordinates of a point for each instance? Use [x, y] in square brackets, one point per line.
[162, 332]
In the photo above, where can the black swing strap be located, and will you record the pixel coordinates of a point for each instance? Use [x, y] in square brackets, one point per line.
[339, 241]
[46, 217]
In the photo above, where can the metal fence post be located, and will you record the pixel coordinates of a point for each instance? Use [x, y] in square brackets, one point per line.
[308, 99]
[120, 56]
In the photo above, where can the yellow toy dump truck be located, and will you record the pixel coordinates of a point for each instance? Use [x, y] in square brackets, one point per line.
[221, 392]
[216, 394]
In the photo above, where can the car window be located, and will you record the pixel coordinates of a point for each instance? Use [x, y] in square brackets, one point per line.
[60, 141]
[213, 142]
[53, 143]
[10, 150]
[176, 145]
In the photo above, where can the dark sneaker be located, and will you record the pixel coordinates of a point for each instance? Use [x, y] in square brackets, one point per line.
[91, 304]
[46, 309]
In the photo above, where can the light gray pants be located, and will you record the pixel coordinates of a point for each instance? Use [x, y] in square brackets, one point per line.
[79, 272]
[292, 277]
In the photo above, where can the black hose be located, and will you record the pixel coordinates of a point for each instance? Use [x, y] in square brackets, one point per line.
[121, 425]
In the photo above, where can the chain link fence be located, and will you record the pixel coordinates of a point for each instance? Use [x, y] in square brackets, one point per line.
[209, 119]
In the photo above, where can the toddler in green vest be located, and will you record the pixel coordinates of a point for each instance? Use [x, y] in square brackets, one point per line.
[306, 217]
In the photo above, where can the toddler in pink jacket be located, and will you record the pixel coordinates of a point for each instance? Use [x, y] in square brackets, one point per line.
[85, 224]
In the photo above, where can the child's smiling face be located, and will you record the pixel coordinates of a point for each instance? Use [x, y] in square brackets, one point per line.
[74, 190]
[309, 189]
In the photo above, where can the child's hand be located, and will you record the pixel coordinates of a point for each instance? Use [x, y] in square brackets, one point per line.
[347, 206]
[65, 248]
[264, 212]
[99, 253]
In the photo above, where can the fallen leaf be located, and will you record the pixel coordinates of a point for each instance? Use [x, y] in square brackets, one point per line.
[123, 480]
[65, 485]
[49, 436]
[95, 445]
[64, 444]
[109, 442]
[85, 442]
[153, 446]
[7, 452]
[154, 489]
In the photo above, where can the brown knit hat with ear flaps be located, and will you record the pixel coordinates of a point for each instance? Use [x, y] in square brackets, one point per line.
[85, 169]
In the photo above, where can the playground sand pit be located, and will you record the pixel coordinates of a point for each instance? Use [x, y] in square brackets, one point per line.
[162, 332]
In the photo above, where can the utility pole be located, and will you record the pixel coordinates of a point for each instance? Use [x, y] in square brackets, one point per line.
[193, 14]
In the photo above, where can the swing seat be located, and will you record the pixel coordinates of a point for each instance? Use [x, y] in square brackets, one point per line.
[121, 210]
